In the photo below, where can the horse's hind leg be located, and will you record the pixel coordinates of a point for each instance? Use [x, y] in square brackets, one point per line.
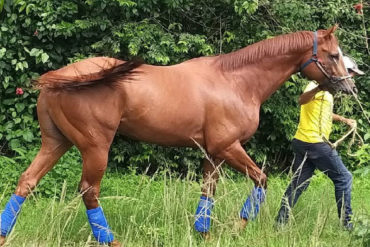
[54, 145]
[95, 160]
[210, 177]
[91, 128]
[203, 213]
[45, 160]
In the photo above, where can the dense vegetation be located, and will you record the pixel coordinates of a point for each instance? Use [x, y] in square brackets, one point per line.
[40, 35]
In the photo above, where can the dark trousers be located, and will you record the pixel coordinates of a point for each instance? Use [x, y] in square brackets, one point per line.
[308, 157]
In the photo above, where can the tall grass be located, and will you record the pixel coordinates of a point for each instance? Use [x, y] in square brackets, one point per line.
[159, 211]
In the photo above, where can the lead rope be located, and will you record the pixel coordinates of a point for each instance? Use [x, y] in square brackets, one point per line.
[355, 133]
[332, 145]
[320, 117]
[353, 130]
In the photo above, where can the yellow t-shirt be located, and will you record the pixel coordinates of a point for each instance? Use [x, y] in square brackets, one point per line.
[315, 118]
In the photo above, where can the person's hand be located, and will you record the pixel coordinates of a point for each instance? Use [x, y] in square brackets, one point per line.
[350, 122]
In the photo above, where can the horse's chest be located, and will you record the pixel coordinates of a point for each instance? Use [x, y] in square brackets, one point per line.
[249, 123]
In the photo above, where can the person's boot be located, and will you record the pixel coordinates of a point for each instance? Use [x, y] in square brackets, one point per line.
[282, 218]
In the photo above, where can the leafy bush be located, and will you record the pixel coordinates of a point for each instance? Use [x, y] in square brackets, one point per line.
[40, 35]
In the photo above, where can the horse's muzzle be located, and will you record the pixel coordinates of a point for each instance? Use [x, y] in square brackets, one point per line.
[346, 86]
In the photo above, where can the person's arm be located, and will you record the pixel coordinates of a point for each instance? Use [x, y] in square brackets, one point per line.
[350, 122]
[308, 96]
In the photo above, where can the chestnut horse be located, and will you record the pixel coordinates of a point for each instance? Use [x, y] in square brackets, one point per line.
[213, 102]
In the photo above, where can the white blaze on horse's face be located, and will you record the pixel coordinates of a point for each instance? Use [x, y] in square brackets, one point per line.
[348, 64]
[340, 51]
[336, 60]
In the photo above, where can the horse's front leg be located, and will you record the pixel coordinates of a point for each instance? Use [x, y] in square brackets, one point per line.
[94, 164]
[238, 159]
[203, 213]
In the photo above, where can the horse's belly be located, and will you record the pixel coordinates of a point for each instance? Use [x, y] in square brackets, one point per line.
[166, 133]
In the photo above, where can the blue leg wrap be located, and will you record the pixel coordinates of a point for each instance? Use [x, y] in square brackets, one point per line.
[253, 203]
[99, 225]
[203, 214]
[10, 213]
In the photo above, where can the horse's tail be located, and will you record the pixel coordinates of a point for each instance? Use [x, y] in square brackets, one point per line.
[75, 76]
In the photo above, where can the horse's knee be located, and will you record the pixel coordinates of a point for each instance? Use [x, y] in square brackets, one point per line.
[26, 184]
[263, 180]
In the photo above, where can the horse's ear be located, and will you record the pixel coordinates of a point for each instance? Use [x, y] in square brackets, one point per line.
[330, 30]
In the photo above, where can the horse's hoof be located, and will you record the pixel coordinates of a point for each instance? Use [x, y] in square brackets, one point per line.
[2, 240]
[115, 243]
[243, 224]
[240, 225]
[206, 236]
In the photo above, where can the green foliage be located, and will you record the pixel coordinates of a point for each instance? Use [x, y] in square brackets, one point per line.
[246, 7]
[142, 157]
[362, 229]
[40, 35]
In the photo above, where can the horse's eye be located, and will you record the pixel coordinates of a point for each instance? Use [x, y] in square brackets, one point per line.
[334, 57]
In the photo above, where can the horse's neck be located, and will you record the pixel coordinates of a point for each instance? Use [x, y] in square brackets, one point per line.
[261, 79]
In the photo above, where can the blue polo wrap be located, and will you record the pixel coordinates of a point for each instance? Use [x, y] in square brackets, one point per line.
[253, 203]
[99, 225]
[10, 213]
[203, 214]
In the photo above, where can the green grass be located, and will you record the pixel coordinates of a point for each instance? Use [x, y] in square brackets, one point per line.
[159, 211]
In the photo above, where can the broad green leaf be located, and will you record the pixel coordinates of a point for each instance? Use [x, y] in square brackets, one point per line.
[34, 52]
[20, 107]
[14, 143]
[2, 52]
[44, 57]
[28, 136]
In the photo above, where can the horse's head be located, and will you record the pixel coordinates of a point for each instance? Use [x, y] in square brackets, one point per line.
[325, 64]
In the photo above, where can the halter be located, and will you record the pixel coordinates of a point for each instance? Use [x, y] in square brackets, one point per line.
[314, 58]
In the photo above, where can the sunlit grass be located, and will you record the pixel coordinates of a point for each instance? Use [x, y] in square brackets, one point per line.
[159, 211]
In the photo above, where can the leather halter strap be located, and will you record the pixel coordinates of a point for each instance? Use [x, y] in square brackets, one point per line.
[314, 54]
[314, 58]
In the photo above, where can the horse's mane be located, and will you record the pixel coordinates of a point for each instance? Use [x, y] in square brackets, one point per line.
[279, 45]
[71, 77]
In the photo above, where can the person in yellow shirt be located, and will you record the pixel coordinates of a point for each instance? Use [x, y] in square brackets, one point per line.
[312, 152]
